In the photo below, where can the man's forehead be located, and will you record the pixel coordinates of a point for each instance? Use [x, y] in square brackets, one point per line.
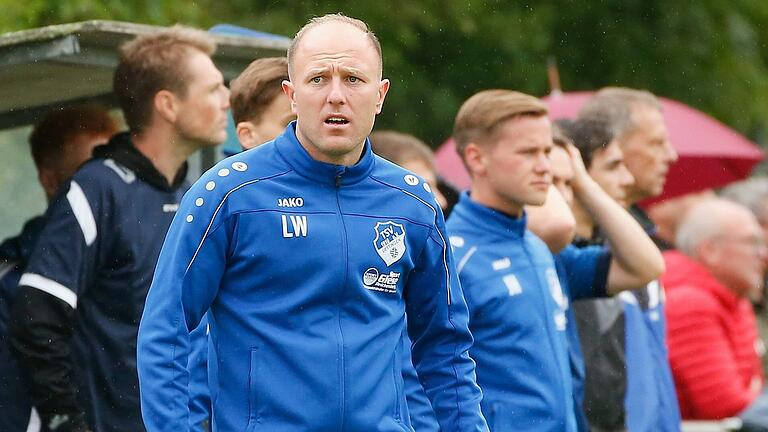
[337, 41]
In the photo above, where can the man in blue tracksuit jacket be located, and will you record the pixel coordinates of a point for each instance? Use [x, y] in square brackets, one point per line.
[308, 251]
[507, 273]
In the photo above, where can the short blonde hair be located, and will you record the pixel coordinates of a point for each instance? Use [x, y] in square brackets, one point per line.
[480, 116]
[153, 62]
[338, 18]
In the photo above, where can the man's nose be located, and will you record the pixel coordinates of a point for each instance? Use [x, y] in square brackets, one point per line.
[671, 152]
[627, 178]
[336, 93]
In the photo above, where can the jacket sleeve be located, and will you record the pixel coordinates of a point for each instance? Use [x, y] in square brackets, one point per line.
[709, 379]
[586, 271]
[186, 280]
[61, 267]
[438, 324]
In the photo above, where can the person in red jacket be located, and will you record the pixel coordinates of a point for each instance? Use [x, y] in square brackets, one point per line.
[714, 347]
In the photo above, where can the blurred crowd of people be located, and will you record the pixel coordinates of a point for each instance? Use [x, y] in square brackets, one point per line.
[585, 314]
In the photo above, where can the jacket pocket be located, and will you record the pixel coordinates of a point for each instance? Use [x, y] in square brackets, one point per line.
[397, 377]
[253, 394]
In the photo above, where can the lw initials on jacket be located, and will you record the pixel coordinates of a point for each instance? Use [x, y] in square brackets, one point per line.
[297, 227]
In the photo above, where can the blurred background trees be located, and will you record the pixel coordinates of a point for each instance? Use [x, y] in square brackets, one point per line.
[710, 54]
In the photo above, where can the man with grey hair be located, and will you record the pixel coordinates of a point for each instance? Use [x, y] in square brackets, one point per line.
[713, 343]
[308, 251]
[628, 380]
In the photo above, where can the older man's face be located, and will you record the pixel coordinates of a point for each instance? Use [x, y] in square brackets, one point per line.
[648, 153]
[336, 91]
[740, 258]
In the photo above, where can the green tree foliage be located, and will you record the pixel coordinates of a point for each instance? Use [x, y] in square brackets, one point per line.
[710, 54]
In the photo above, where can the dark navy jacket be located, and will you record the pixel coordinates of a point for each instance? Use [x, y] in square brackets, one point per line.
[583, 274]
[517, 317]
[307, 269]
[14, 255]
[83, 292]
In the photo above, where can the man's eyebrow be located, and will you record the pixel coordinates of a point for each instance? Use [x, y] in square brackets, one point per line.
[317, 71]
[352, 70]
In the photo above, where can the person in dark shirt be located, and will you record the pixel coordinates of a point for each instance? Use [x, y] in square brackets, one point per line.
[73, 327]
[59, 144]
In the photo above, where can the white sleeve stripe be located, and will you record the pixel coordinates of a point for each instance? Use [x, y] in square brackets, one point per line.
[445, 244]
[82, 211]
[49, 286]
[465, 258]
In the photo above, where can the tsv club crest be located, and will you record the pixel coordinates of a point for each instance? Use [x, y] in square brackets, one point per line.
[389, 241]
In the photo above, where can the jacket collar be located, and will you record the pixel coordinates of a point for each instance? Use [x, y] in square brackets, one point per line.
[291, 150]
[488, 219]
[688, 272]
[120, 148]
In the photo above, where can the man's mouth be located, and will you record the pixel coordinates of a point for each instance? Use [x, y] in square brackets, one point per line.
[336, 120]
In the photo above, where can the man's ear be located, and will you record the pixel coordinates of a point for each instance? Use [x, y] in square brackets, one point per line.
[247, 135]
[383, 89]
[708, 253]
[290, 92]
[476, 159]
[166, 105]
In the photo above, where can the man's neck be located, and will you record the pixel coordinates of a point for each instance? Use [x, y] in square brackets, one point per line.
[488, 198]
[164, 148]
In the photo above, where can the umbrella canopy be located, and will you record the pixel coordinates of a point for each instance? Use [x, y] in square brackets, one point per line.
[711, 154]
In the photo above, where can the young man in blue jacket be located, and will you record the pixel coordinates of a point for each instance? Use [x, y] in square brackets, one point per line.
[507, 273]
[74, 323]
[629, 381]
[308, 251]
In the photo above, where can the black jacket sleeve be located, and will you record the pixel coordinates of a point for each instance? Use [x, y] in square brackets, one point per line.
[40, 331]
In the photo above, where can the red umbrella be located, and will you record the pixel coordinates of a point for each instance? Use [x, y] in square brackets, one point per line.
[711, 154]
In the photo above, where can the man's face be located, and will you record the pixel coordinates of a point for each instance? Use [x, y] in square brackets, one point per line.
[562, 173]
[739, 259]
[609, 171]
[272, 122]
[516, 166]
[647, 153]
[202, 111]
[336, 91]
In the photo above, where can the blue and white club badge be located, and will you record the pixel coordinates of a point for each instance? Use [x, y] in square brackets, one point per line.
[390, 241]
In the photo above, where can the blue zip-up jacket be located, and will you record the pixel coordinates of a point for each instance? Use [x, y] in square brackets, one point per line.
[517, 317]
[650, 386]
[308, 269]
[583, 274]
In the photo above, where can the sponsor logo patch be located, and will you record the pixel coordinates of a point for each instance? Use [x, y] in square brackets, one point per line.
[389, 241]
[383, 282]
